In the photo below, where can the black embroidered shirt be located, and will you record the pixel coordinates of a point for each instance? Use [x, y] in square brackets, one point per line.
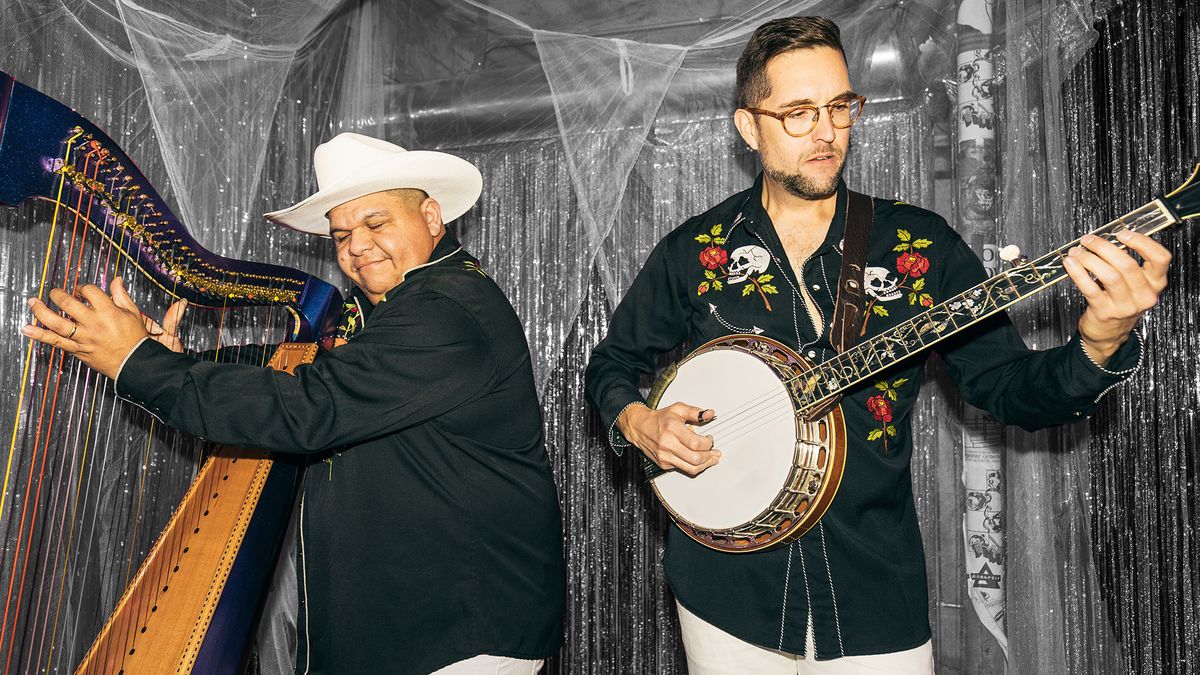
[431, 532]
[861, 572]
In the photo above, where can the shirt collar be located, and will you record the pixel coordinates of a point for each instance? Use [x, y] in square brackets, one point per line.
[755, 218]
[445, 249]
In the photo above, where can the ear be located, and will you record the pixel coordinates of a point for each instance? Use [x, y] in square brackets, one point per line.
[747, 126]
[431, 213]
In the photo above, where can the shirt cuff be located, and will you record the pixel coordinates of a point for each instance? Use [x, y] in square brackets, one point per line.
[151, 377]
[616, 439]
[126, 359]
[1119, 367]
[1124, 362]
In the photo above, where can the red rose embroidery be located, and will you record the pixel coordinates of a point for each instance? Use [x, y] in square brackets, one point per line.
[879, 406]
[912, 263]
[715, 256]
[926, 300]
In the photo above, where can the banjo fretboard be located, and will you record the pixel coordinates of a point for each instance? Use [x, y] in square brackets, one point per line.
[1006, 288]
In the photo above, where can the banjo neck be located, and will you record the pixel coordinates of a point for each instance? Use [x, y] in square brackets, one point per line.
[825, 383]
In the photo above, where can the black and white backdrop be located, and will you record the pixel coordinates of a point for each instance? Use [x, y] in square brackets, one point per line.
[599, 127]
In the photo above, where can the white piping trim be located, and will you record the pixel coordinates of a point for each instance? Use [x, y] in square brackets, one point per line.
[807, 596]
[1122, 374]
[126, 360]
[837, 622]
[304, 571]
[712, 309]
[612, 430]
[783, 608]
[428, 264]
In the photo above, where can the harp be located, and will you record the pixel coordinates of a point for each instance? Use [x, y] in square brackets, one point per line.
[195, 590]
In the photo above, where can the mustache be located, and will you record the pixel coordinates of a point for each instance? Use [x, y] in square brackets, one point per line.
[827, 149]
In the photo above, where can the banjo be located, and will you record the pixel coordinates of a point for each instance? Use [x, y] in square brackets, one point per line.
[782, 434]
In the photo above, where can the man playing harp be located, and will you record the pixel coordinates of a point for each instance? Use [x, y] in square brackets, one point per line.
[430, 536]
[849, 596]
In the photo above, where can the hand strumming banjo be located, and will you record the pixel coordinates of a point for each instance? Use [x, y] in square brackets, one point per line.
[781, 433]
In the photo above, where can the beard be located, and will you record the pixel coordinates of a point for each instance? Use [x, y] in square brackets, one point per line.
[807, 186]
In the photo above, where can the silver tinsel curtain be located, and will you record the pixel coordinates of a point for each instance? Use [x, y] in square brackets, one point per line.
[598, 128]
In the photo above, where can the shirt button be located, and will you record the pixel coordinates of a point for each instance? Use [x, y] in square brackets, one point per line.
[816, 287]
[812, 353]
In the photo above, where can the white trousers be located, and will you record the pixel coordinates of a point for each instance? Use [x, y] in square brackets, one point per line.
[491, 665]
[712, 651]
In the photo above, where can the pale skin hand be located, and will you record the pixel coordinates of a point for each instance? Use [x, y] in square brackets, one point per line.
[1122, 290]
[103, 330]
[666, 437]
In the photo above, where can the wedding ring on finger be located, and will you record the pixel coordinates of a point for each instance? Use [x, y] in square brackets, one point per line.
[72, 333]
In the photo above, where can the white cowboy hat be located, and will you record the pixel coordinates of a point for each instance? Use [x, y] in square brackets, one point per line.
[350, 166]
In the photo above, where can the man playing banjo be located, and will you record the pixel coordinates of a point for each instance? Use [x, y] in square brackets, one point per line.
[766, 262]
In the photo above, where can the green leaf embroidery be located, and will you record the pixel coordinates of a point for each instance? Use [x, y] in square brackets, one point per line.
[703, 238]
[891, 393]
[702, 288]
[879, 310]
[709, 274]
[900, 247]
[747, 290]
[900, 382]
[903, 235]
[717, 285]
[716, 230]
[768, 288]
[718, 241]
[891, 430]
[875, 435]
[918, 284]
[764, 278]
[881, 386]
[912, 298]
[922, 243]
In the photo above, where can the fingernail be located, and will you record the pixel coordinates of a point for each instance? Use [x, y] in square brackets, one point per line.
[1124, 235]
[26, 331]
[1086, 239]
[31, 302]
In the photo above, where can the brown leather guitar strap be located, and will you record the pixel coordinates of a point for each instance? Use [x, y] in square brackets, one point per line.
[848, 319]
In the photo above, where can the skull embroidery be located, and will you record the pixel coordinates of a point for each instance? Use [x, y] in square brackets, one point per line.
[882, 284]
[747, 260]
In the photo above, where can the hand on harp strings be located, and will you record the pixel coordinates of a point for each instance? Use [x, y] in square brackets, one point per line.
[166, 333]
[91, 543]
[98, 329]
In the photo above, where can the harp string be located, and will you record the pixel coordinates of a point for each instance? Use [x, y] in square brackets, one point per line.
[65, 440]
[50, 541]
[93, 480]
[23, 542]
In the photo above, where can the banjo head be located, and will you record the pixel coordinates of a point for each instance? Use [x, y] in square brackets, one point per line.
[777, 474]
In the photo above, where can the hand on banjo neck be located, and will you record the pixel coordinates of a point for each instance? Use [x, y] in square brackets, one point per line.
[666, 436]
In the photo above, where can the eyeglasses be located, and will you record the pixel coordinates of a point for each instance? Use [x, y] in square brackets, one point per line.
[801, 120]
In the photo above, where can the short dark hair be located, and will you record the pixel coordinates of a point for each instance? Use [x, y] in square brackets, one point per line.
[772, 39]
